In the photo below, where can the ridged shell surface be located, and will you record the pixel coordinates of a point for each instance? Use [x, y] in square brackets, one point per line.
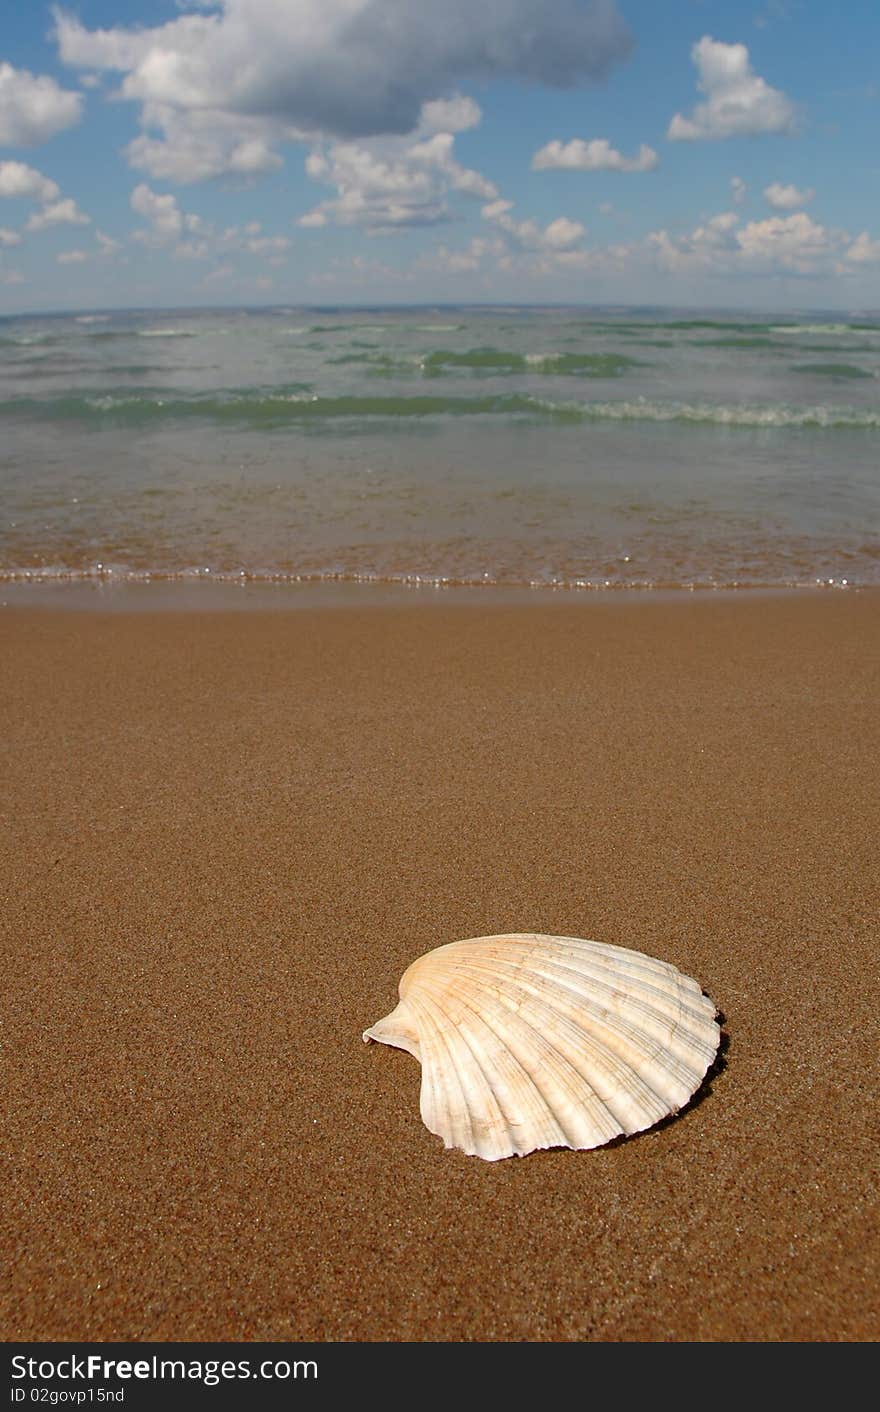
[530, 1041]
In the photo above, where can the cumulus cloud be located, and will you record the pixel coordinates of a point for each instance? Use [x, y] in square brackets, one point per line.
[780, 245]
[33, 107]
[455, 114]
[863, 250]
[494, 209]
[106, 244]
[186, 146]
[273, 246]
[560, 234]
[792, 242]
[443, 260]
[596, 155]
[163, 214]
[722, 246]
[787, 198]
[738, 190]
[701, 248]
[192, 146]
[9, 237]
[436, 155]
[18, 179]
[188, 236]
[347, 68]
[738, 103]
[387, 184]
[58, 213]
[72, 257]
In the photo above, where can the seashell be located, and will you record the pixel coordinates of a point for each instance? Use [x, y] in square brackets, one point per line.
[530, 1041]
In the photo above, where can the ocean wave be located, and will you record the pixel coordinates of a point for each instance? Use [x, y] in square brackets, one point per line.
[838, 371]
[299, 402]
[722, 325]
[27, 340]
[501, 360]
[744, 415]
[756, 341]
[168, 333]
[347, 328]
[663, 580]
[840, 329]
[294, 404]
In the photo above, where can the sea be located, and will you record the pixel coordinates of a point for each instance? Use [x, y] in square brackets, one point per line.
[586, 450]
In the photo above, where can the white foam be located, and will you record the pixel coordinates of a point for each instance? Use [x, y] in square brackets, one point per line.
[166, 333]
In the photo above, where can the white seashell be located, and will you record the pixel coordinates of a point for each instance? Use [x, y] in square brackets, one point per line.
[530, 1041]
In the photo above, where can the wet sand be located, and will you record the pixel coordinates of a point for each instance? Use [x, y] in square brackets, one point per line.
[226, 834]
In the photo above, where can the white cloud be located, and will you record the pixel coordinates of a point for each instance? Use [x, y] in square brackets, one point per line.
[33, 107]
[560, 234]
[17, 179]
[597, 155]
[787, 198]
[738, 190]
[863, 250]
[193, 145]
[108, 246]
[192, 250]
[494, 209]
[24, 182]
[706, 246]
[58, 213]
[738, 102]
[273, 246]
[380, 194]
[188, 236]
[780, 245]
[11, 277]
[386, 185]
[72, 257]
[197, 145]
[162, 212]
[457, 262]
[9, 237]
[350, 68]
[791, 242]
[436, 154]
[455, 114]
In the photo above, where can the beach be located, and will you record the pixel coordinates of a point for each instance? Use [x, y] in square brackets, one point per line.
[227, 832]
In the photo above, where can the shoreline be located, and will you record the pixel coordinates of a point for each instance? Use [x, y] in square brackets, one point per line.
[227, 833]
[195, 594]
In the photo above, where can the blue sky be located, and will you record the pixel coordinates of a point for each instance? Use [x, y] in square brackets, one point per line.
[693, 152]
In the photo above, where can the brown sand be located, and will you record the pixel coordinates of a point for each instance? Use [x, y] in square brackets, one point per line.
[227, 834]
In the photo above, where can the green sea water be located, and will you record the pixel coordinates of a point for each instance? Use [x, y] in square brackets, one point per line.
[567, 447]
